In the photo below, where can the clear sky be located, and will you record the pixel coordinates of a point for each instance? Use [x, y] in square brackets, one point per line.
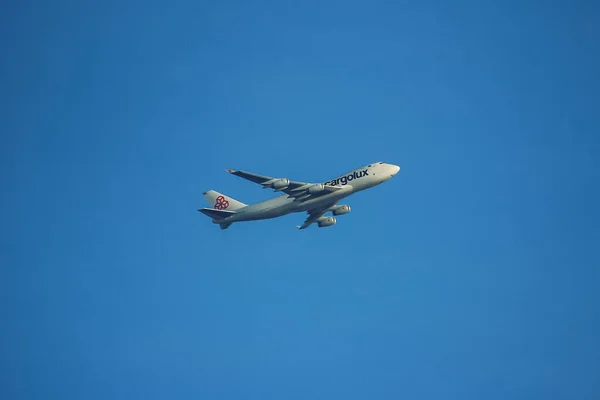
[472, 274]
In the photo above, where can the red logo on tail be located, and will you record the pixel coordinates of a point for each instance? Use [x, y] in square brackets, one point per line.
[221, 203]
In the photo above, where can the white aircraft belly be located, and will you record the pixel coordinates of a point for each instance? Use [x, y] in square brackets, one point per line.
[325, 200]
[283, 205]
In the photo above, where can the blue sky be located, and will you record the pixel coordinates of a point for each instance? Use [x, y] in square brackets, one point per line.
[472, 274]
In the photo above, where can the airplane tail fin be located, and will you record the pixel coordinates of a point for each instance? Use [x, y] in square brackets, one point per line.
[219, 201]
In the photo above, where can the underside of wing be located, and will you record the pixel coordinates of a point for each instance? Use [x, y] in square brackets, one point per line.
[300, 191]
[317, 215]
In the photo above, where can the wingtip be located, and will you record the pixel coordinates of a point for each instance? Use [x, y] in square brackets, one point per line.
[231, 171]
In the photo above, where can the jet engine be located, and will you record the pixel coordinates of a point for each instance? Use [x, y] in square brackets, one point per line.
[327, 221]
[281, 184]
[341, 210]
[317, 188]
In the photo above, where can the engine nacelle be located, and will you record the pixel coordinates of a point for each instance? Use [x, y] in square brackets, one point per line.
[281, 184]
[341, 210]
[327, 221]
[317, 188]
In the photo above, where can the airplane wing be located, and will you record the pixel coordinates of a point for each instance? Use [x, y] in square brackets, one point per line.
[314, 215]
[300, 191]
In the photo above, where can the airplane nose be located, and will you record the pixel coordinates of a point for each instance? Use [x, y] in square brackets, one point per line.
[395, 169]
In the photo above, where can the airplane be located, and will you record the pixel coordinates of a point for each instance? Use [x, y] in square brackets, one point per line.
[316, 199]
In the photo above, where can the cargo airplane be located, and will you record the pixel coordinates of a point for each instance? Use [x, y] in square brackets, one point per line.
[316, 199]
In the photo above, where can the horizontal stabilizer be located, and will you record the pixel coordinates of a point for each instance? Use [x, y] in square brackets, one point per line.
[216, 214]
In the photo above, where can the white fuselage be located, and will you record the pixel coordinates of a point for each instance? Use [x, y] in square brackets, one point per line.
[352, 182]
